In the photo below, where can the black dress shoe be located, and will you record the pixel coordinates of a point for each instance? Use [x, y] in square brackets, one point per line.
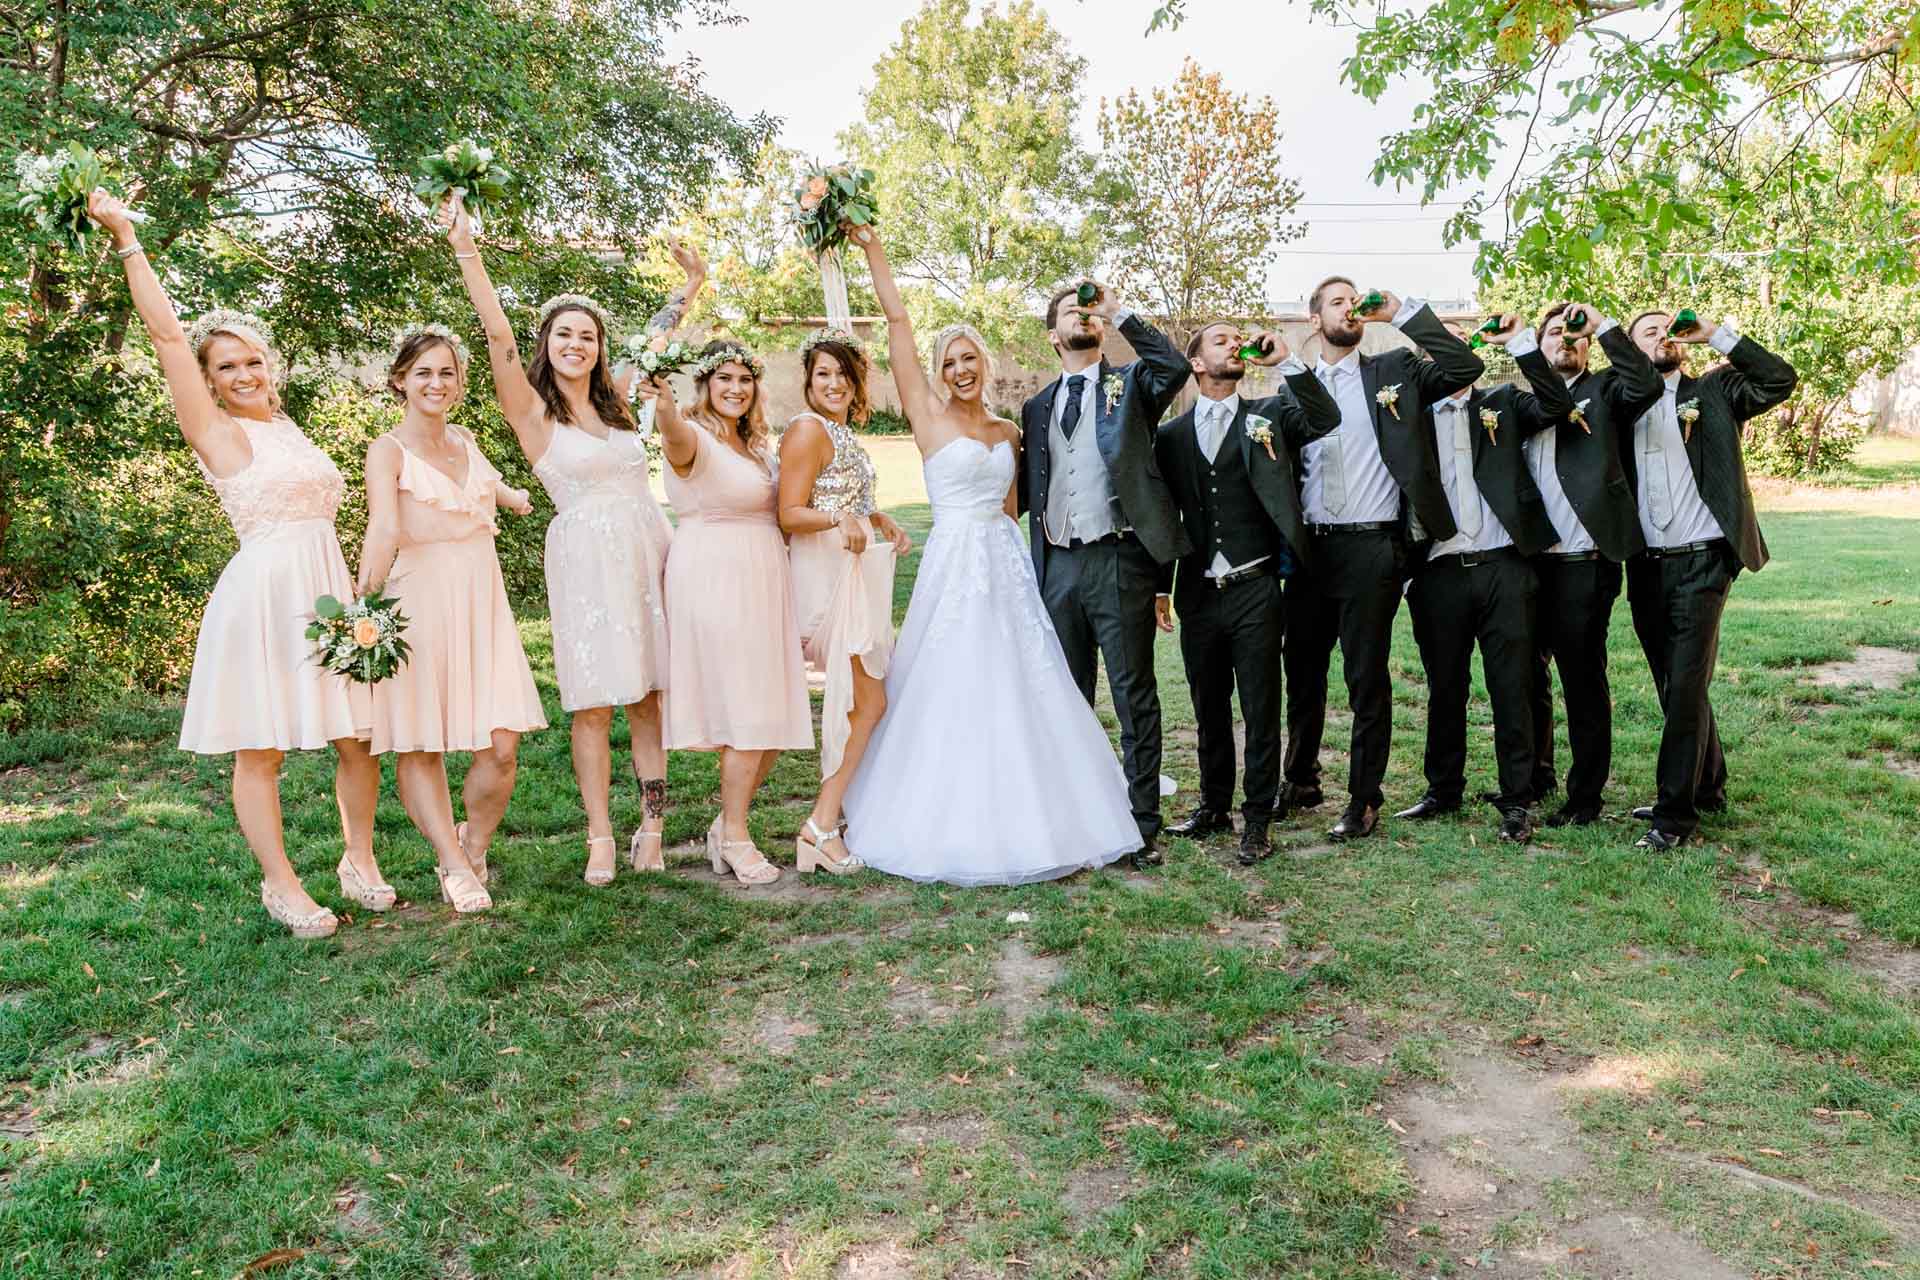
[1145, 856]
[1200, 823]
[1255, 844]
[1516, 825]
[1298, 797]
[1568, 815]
[1711, 804]
[1428, 807]
[1356, 824]
[1641, 813]
[1659, 841]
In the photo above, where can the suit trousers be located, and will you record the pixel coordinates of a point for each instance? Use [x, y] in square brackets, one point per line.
[1100, 597]
[1575, 608]
[1231, 636]
[1454, 605]
[1349, 597]
[1677, 602]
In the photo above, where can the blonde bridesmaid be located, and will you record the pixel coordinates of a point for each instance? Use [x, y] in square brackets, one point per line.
[606, 548]
[842, 553]
[739, 683]
[466, 686]
[255, 692]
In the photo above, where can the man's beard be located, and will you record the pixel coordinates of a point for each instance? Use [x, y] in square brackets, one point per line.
[1666, 358]
[1086, 341]
[1227, 373]
[1569, 364]
[1342, 336]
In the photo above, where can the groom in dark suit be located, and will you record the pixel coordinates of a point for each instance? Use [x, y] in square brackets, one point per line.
[1232, 463]
[1102, 522]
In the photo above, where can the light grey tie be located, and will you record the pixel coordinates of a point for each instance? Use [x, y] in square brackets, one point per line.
[1216, 428]
[1333, 477]
[1465, 494]
[1653, 461]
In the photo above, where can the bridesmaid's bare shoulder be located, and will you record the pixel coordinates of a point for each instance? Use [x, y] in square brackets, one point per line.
[1009, 431]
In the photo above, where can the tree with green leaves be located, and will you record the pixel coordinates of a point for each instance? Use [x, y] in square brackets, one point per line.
[983, 191]
[1195, 196]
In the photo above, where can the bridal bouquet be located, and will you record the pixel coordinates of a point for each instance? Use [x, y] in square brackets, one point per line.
[467, 169]
[363, 641]
[53, 191]
[654, 355]
[837, 194]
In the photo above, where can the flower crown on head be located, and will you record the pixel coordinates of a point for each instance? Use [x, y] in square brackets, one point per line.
[831, 333]
[564, 301]
[731, 353]
[224, 320]
[440, 331]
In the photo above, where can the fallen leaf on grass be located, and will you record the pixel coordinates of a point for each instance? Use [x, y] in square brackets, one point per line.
[271, 1259]
[512, 1048]
[1770, 1151]
[1395, 1125]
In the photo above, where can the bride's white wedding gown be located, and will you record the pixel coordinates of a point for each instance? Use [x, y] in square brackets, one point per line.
[988, 766]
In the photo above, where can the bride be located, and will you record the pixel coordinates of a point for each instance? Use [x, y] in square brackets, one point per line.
[988, 767]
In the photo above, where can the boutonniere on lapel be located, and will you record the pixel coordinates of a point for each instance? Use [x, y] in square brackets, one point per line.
[1260, 431]
[1115, 386]
[1689, 411]
[1390, 397]
[1579, 415]
[1490, 419]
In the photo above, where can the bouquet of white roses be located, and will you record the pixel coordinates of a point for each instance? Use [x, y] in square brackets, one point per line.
[362, 640]
[53, 191]
[654, 354]
[466, 169]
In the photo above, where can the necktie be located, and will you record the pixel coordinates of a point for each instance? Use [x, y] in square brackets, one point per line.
[1653, 461]
[1333, 478]
[1466, 497]
[1070, 418]
[1216, 429]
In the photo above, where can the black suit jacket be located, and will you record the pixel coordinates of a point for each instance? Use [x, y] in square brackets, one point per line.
[1500, 468]
[1126, 433]
[1587, 454]
[1300, 414]
[1442, 365]
[1750, 382]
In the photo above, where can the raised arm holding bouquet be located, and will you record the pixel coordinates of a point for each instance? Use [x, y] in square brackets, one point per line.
[255, 690]
[54, 190]
[827, 205]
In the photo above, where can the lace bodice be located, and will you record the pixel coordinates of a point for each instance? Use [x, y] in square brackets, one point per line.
[579, 467]
[969, 479]
[844, 486]
[288, 481]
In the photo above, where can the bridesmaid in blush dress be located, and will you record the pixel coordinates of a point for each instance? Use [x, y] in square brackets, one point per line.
[842, 577]
[256, 692]
[466, 686]
[606, 549]
[739, 683]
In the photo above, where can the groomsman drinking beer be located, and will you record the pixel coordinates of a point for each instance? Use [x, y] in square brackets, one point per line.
[1231, 464]
[1577, 467]
[1479, 585]
[1696, 513]
[1362, 483]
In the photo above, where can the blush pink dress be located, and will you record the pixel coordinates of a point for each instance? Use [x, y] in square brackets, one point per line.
[466, 674]
[843, 602]
[255, 685]
[737, 678]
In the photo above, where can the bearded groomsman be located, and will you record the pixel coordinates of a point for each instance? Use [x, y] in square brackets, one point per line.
[1363, 484]
[1479, 585]
[1577, 468]
[1232, 464]
[1102, 521]
[1696, 513]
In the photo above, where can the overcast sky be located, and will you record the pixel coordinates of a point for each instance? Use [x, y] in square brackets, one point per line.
[810, 66]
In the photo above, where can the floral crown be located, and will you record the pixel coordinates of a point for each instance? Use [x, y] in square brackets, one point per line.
[732, 353]
[223, 320]
[580, 301]
[440, 331]
[831, 333]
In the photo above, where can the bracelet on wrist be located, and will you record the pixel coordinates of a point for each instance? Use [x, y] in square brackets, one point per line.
[129, 251]
[462, 257]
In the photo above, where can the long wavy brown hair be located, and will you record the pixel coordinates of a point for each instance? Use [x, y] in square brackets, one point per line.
[853, 366]
[753, 423]
[601, 393]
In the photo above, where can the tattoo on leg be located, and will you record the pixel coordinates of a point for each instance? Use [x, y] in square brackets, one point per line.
[653, 794]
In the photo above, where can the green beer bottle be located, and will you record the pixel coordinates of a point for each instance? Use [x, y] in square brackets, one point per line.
[1372, 302]
[1087, 292]
[1478, 339]
[1685, 320]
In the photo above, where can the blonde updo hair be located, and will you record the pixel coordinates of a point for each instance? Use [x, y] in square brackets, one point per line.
[245, 328]
[946, 338]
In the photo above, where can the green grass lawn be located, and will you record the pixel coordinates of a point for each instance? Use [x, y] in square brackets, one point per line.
[1425, 1054]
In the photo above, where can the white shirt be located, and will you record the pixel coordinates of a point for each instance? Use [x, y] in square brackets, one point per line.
[1211, 421]
[1371, 491]
[1463, 491]
[1543, 459]
[1659, 438]
[1080, 499]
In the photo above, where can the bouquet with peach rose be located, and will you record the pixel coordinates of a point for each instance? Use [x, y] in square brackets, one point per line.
[655, 353]
[362, 640]
[829, 201]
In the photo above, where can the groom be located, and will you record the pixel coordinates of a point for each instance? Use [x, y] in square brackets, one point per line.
[1103, 521]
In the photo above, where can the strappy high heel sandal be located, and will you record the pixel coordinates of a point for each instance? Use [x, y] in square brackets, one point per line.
[639, 860]
[308, 926]
[374, 897]
[596, 876]
[481, 870]
[713, 841]
[744, 859]
[809, 849]
[463, 890]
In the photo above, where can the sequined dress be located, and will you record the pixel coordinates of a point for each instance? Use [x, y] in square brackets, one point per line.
[844, 602]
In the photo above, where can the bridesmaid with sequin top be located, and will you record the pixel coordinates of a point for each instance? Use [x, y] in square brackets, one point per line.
[606, 546]
[842, 549]
[256, 692]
